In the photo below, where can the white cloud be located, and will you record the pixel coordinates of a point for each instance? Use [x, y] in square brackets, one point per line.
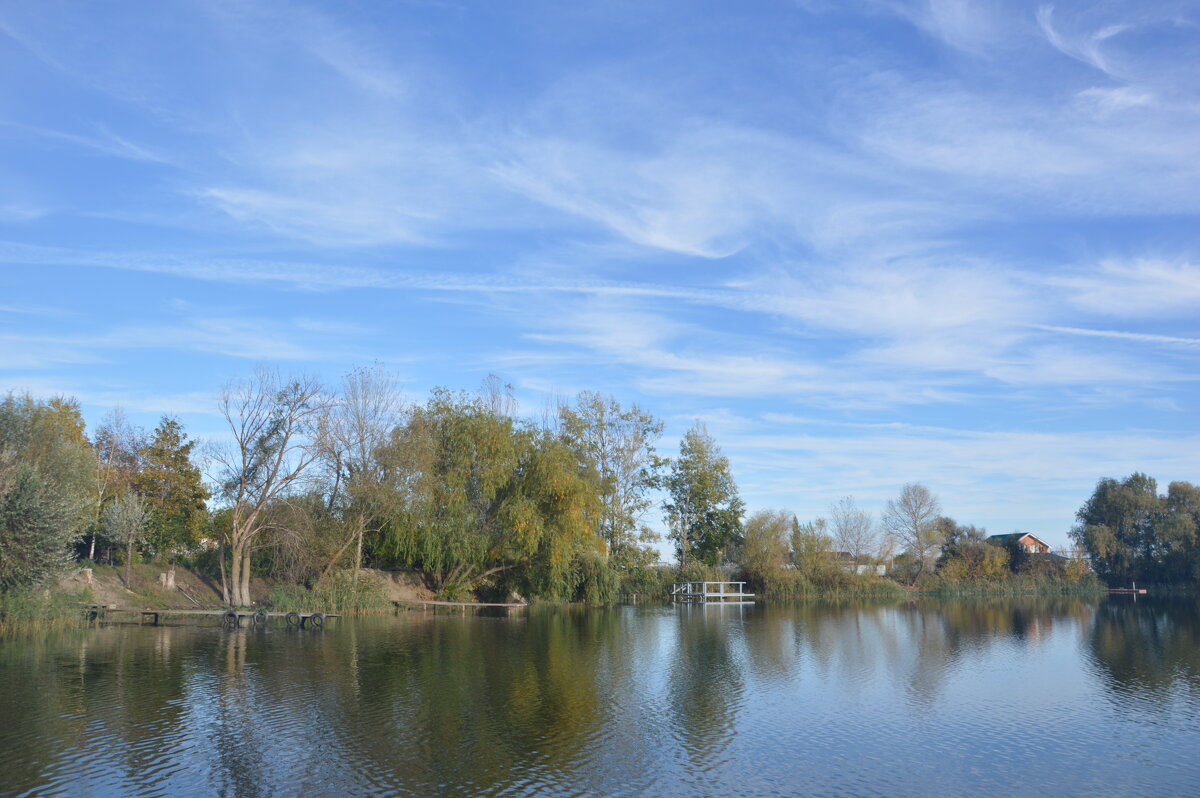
[1143, 287]
[1086, 46]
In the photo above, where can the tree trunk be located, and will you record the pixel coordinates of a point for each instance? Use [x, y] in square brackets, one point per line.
[129, 566]
[235, 572]
[224, 581]
[92, 549]
[245, 600]
[358, 553]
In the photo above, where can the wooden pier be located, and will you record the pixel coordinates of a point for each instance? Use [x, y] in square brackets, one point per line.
[461, 605]
[722, 592]
[229, 617]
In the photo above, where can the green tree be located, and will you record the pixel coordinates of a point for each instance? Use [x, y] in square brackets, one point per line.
[38, 524]
[172, 488]
[765, 538]
[1116, 528]
[704, 511]
[125, 522]
[619, 444]
[49, 437]
[1176, 528]
[47, 483]
[478, 495]
[967, 556]
[812, 548]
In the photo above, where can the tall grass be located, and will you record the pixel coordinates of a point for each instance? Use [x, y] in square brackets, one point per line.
[337, 594]
[833, 583]
[37, 611]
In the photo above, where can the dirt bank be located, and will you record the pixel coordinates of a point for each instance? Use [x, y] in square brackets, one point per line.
[193, 589]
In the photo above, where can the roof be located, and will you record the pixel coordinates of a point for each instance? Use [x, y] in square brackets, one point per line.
[1014, 538]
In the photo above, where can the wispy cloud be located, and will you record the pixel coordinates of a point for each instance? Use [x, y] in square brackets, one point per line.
[1149, 338]
[1085, 46]
[101, 141]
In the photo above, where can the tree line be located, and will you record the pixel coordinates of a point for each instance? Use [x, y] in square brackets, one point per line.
[311, 480]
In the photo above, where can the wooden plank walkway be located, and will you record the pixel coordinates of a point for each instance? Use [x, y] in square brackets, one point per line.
[461, 605]
[229, 617]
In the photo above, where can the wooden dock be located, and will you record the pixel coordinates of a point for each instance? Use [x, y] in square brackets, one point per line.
[1130, 591]
[229, 617]
[722, 592]
[461, 605]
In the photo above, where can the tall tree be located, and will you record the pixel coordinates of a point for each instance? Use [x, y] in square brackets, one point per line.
[704, 511]
[811, 547]
[117, 444]
[853, 529]
[354, 428]
[272, 423]
[619, 443]
[47, 481]
[1116, 527]
[172, 487]
[125, 522]
[766, 536]
[38, 524]
[911, 520]
[478, 494]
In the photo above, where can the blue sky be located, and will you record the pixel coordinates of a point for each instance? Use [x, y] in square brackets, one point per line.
[867, 242]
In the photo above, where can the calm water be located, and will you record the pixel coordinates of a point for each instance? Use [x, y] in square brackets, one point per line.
[1012, 697]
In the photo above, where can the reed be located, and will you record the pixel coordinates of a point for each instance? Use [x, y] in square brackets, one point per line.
[35, 612]
[1018, 584]
[337, 594]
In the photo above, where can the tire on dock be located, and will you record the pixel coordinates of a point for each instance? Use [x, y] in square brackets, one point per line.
[230, 619]
[260, 618]
[292, 618]
[317, 620]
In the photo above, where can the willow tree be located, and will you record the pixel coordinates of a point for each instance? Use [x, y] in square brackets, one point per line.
[272, 423]
[477, 495]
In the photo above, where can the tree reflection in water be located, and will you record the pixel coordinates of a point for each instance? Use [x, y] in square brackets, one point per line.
[666, 700]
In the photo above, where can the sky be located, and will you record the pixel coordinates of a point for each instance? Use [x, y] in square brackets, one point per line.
[866, 242]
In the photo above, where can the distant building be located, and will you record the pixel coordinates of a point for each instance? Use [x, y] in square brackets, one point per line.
[845, 561]
[1021, 541]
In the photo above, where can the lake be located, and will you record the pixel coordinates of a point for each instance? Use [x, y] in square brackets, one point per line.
[966, 697]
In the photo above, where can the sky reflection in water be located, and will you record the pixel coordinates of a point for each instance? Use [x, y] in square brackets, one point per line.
[987, 697]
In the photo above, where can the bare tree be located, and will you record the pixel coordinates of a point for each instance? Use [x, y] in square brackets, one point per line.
[273, 423]
[353, 428]
[118, 445]
[853, 529]
[125, 522]
[910, 521]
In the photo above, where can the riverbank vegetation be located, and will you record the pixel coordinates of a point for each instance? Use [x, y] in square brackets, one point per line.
[314, 485]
